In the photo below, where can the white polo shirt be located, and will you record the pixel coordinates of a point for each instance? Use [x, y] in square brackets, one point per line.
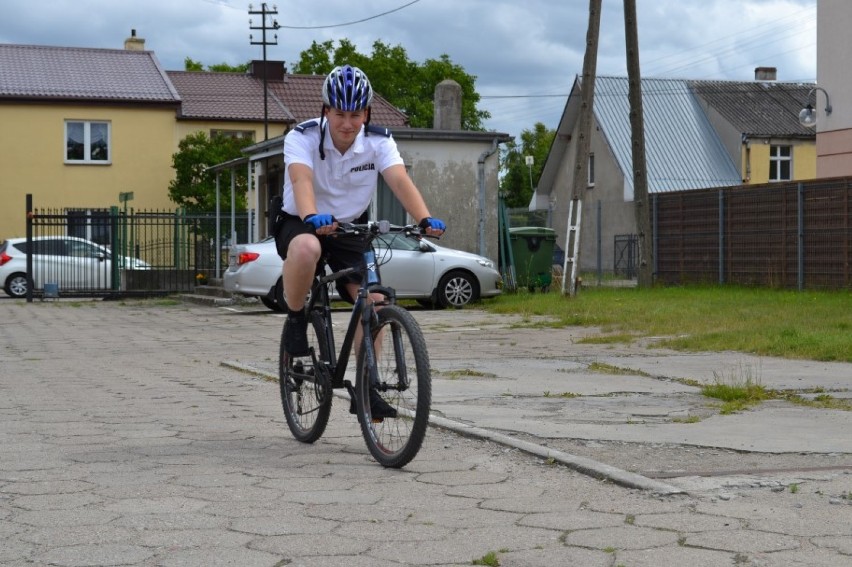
[344, 184]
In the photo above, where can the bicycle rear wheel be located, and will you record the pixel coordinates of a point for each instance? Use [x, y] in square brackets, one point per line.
[305, 386]
[405, 383]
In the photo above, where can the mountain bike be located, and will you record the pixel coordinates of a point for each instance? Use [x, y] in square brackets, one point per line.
[392, 360]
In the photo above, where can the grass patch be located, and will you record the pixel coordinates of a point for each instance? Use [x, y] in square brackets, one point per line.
[604, 368]
[790, 324]
[737, 392]
[465, 373]
[687, 419]
[566, 395]
[489, 559]
[617, 338]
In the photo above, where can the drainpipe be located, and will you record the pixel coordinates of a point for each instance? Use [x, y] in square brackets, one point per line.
[481, 180]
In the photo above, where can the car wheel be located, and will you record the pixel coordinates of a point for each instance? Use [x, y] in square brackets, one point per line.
[275, 299]
[271, 304]
[16, 285]
[457, 289]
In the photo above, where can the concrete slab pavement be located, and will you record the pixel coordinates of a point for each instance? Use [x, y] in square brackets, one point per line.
[124, 440]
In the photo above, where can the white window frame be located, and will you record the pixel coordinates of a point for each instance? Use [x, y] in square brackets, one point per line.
[87, 142]
[776, 160]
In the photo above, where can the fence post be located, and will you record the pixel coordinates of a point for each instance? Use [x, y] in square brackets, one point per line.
[29, 214]
[600, 242]
[800, 214]
[116, 246]
[654, 241]
[721, 236]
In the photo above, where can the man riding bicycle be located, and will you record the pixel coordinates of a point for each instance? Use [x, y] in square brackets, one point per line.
[331, 179]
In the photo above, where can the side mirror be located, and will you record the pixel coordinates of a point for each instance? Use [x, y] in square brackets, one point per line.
[425, 247]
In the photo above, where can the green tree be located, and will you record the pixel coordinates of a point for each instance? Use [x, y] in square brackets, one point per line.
[515, 183]
[195, 188]
[408, 85]
[190, 65]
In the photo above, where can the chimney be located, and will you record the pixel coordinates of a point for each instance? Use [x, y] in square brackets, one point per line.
[448, 105]
[765, 73]
[275, 70]
[134, 43]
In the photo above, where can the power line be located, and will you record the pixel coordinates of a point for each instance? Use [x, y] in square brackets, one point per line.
[353, 22]
[768, 27]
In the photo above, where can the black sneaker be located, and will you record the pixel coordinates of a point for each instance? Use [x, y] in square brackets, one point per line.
[296, 336]
[379, 408]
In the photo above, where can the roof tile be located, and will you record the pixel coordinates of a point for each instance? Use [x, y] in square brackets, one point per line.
[38, 72]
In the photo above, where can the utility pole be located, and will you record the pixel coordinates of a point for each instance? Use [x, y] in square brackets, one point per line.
[581, 151]
[263, 12]
[637, 133]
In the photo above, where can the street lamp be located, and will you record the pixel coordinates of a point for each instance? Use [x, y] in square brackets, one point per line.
[808, 117]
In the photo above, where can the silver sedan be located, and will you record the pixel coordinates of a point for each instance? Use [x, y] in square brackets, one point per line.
[416, 269]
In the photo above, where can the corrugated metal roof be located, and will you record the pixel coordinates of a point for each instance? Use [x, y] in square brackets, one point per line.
[682, 150]
[72, 73]
[758, 108]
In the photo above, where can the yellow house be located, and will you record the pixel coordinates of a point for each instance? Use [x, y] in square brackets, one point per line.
[83, 127]
[758, 124]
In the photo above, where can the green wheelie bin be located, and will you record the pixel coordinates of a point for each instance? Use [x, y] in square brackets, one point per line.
[532, 248]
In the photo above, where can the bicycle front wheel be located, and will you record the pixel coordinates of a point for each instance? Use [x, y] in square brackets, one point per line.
[305, 385]
[404, 385]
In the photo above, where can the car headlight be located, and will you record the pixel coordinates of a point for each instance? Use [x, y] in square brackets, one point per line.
[486, 263]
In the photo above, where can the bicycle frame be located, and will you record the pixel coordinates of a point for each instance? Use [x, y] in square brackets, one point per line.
[362, 312]
[391, 394]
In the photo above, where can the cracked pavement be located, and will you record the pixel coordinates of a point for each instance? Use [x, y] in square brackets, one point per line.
[131, 433]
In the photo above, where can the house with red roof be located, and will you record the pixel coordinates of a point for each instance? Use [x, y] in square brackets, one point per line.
[83, 126]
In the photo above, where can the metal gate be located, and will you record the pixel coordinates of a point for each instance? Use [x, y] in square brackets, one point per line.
[626, 253]
[114, 252]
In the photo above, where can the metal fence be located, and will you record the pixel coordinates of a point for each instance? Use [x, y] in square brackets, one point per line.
[123, 252]
[790, 235]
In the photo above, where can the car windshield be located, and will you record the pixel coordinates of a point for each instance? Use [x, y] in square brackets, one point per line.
[397, 242]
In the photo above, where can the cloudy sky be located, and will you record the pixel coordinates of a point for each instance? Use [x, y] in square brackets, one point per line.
[525, 54]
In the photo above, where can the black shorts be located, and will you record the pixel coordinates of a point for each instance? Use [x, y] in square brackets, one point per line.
[339, 252]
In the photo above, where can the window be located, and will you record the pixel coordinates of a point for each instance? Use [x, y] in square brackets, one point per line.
[92, 224]
[780, 163]
[386, 206]
[590, 182]
[87, 142]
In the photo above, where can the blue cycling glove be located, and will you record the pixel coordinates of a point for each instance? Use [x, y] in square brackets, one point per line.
[434, 224]
[319, 220]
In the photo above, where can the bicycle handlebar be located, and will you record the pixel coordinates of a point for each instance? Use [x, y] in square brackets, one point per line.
[376, 228]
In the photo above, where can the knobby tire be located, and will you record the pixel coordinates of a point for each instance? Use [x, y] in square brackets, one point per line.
[306, 392]
[394, 442]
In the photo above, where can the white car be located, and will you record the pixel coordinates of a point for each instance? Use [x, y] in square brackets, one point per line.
[71, 263]
[414, 268]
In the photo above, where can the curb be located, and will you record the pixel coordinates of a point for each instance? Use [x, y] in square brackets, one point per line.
[580, 464]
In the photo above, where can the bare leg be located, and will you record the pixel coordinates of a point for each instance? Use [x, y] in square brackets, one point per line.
[299, 269]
